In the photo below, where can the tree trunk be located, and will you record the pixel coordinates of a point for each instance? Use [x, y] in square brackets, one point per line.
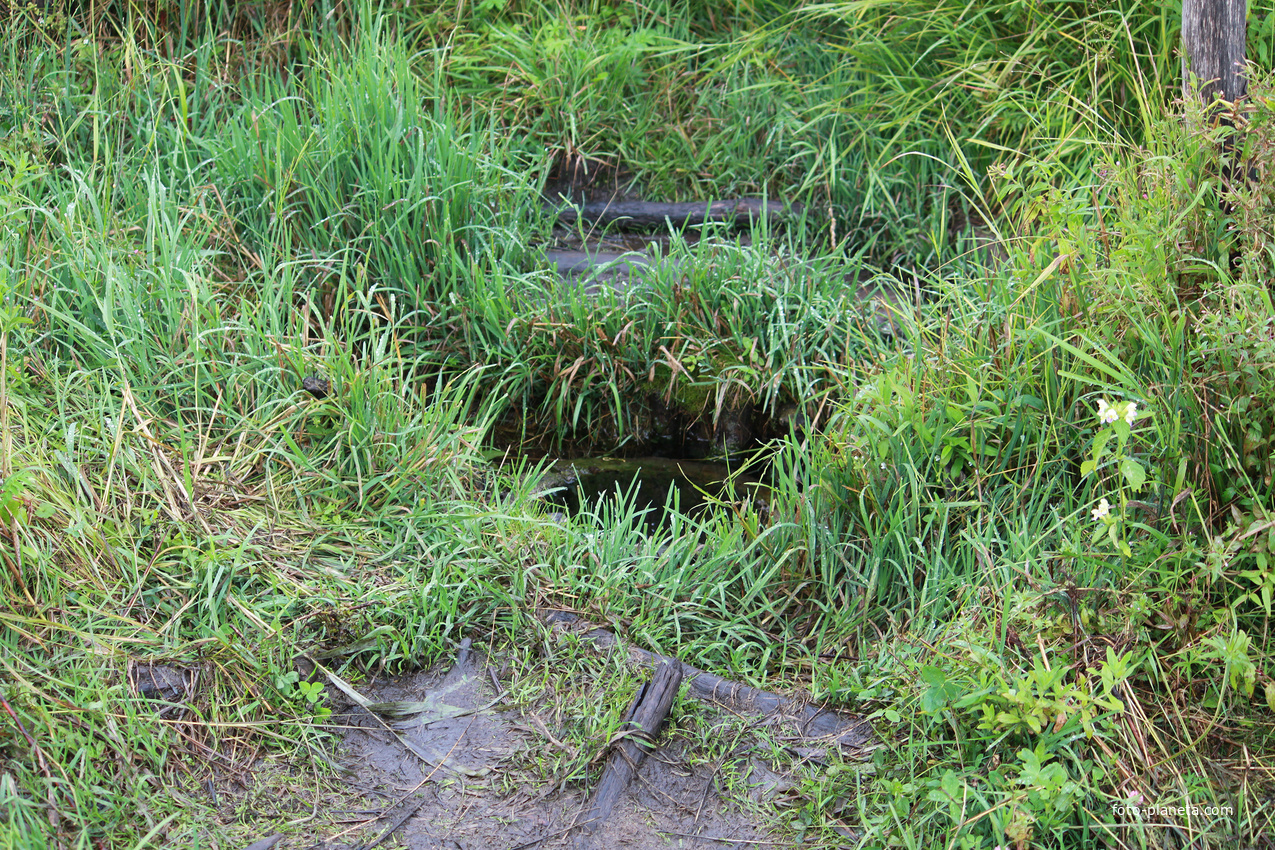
[1213, 33]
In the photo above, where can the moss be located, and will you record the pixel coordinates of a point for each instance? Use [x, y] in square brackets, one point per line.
[696, 394]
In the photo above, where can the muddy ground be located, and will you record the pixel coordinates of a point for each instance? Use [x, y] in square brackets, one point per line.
[473, 755]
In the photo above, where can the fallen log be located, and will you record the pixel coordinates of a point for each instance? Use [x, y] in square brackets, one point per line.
[850, 733]
[577, 264]
[645, 215]
[642, 723]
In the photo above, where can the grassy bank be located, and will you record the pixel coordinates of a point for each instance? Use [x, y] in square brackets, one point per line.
[1030, 538]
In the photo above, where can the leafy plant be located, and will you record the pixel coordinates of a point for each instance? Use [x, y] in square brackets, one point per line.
[1117, 421]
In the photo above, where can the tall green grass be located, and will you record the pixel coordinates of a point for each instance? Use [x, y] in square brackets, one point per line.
[863, 111]
[356, 162]
[1051, 612]
[186, 239]
[720, 329]
[171, 494]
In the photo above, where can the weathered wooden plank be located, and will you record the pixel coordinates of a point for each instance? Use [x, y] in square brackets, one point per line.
[642, 723]
[1213, 33]
[645, 215]
[812, 721]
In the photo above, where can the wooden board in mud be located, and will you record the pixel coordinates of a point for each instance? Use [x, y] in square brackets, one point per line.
[645, 215]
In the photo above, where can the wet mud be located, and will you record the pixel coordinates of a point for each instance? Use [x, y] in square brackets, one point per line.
[445, 759]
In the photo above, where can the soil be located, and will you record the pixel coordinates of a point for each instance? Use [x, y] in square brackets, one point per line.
[672, 801]
[467, 770]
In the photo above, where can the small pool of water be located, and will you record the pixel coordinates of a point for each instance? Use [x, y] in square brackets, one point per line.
[585, 484]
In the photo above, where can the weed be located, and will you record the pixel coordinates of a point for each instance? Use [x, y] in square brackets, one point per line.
[186, 238]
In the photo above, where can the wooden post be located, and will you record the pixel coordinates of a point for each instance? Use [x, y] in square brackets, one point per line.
[1213, 33]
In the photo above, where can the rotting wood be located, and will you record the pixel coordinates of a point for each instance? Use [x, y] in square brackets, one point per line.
[642, 215]
[642, 723]
[1213, 35]
[850, 733]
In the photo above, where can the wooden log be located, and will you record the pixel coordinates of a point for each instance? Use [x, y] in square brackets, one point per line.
[848, 731]
[576, 264]
[642, 723]
[1213, 33]
[812, 721]
[266, 843]
[645, 215]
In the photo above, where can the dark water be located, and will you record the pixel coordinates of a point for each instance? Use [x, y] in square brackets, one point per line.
[650, 484]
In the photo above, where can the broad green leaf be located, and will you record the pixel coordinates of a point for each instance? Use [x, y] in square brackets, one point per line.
[1133, 473]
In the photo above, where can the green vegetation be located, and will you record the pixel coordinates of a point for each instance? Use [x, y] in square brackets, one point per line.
[1031, 535]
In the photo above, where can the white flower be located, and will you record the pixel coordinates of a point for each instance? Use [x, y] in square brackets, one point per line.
[1131, 412]
[1104, 508]
[1106, 413]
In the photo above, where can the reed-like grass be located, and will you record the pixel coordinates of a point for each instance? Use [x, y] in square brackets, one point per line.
[186, 238]
[720, 329]
[861, 110]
